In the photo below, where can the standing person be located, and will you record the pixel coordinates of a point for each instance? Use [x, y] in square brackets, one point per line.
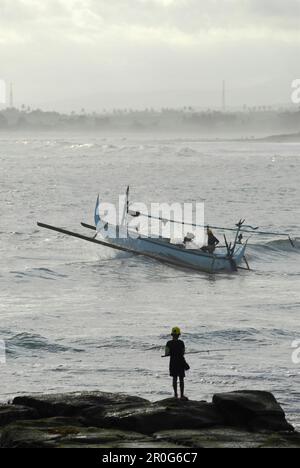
[175, 348]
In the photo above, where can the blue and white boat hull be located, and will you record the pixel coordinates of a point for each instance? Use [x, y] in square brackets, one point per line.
[175, 254]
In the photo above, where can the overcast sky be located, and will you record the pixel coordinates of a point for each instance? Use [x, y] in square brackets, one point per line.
[68, 54]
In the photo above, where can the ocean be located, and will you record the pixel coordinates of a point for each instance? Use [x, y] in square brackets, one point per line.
[76, 316]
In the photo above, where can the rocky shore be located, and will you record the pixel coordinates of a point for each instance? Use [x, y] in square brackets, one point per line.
[246, 419]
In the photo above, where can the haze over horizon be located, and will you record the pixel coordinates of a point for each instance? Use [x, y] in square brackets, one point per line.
[67, 54]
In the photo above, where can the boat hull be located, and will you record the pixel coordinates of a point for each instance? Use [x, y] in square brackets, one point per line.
[180, 256]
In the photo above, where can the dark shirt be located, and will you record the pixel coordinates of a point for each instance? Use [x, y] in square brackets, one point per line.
[212, 240]
[176, 349]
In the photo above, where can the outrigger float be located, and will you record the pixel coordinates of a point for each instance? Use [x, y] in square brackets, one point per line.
[227, 258]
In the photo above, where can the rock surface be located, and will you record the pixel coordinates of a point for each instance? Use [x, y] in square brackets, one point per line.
[72, 404]
[229, 437]
[255, 410]
[107, 420]
[163, 415]
[9, 413]
[70, 433]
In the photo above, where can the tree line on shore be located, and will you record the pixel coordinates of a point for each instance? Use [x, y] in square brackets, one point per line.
[262, 119]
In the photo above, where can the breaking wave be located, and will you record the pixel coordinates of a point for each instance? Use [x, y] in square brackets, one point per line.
[33, 342]
[284, 245]
[278, 246]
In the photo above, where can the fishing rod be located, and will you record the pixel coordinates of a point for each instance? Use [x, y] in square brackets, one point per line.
[201, 352]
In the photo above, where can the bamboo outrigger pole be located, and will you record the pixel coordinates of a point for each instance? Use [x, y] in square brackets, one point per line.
[247, 228]
[169, 261]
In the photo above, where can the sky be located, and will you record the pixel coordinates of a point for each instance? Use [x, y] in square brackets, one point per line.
[94, 54]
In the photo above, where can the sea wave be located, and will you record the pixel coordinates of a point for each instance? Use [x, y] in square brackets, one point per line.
[277, 246]
[188, 152]
[233, 336]
[284, 244]
[33, 342]
[42, 273]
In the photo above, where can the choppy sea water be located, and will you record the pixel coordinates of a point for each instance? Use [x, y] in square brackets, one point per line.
[76, 316]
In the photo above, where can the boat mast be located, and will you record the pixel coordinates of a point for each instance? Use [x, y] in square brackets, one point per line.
[239, 227]
[127, 208]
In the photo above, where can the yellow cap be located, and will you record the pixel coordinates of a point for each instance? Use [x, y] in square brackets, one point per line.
[176, 331]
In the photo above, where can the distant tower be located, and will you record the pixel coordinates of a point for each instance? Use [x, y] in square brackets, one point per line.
[11, 96]
[224, 96]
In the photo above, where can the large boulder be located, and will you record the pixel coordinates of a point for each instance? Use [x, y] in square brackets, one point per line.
[72, 404]
[162, 415]
[255, 410]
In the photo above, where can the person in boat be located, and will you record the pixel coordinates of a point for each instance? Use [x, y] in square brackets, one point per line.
[188, 240]
[175, 348]
[212, 242]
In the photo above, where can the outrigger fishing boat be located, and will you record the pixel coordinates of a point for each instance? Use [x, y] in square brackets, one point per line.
[227, 258]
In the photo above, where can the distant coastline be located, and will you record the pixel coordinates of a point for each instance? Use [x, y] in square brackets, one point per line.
[284, 138]
[261, 124]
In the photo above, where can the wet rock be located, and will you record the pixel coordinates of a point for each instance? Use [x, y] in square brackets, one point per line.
[10, 413]
[72, 404]
[255, 410]
[36, 434]
[105, 420]
[69, 433]
[162, 415]
[228, 437]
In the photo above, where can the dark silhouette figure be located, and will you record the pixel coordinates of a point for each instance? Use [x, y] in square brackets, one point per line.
[175, 348]
[212, 242]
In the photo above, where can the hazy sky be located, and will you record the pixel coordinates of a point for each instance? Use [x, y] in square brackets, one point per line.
[68, 54]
